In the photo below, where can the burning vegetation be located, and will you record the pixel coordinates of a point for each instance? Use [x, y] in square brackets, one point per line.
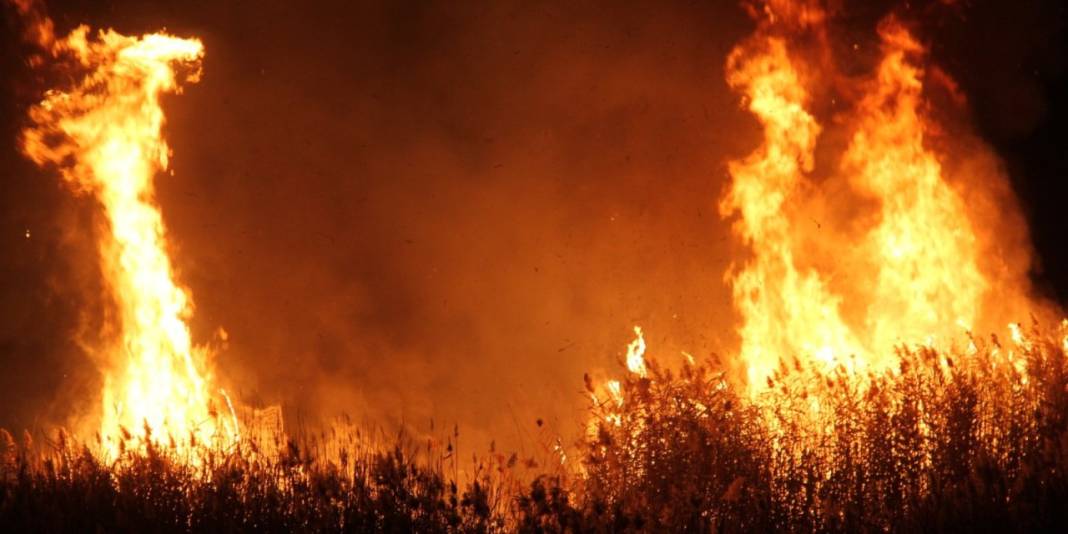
[861, 397]
[104, 135]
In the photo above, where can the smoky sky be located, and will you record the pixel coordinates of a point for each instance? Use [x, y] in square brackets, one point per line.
[415, 210]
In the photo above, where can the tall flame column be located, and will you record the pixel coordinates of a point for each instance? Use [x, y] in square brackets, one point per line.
[104, 135]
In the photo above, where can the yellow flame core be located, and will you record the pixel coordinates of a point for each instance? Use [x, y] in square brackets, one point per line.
[105, 136]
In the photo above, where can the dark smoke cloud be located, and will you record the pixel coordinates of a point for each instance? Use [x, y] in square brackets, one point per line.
[410, 210]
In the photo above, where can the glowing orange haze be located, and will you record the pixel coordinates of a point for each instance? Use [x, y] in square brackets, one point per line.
[104, 135]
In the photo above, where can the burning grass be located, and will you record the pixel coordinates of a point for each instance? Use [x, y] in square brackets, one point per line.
[969, 438]
[958, 439]
[845, 436]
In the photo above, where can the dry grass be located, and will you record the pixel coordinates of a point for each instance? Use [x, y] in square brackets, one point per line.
[971, 439]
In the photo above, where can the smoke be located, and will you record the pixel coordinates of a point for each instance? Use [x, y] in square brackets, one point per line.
[463, 216]
[407, 211]
[37, 28]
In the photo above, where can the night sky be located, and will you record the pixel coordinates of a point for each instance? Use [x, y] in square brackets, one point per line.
[406, 210]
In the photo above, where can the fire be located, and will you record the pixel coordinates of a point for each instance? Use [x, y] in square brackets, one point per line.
[784, 306]
[636, 354]
[1064, 340]
[905, 266]
[924, 245]
[104, 136]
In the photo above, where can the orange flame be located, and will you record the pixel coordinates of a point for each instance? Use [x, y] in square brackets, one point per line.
[104, 134]
[924, 244]
[907, 270]
[785, 308]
